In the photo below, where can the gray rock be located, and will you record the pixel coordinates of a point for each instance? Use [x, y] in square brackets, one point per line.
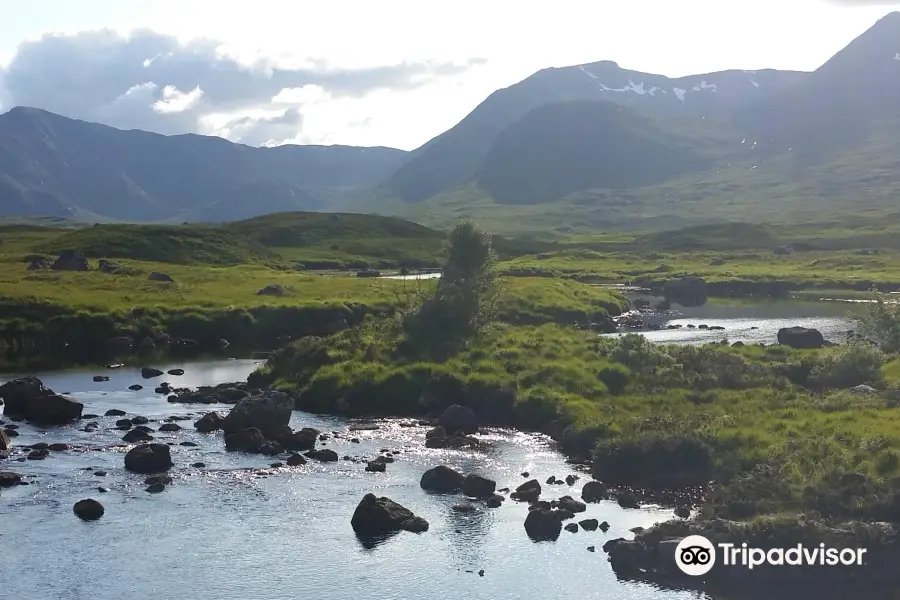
[267, 411]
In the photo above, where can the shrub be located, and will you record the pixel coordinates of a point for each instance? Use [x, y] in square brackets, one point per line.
[854, 364]
[615, 377]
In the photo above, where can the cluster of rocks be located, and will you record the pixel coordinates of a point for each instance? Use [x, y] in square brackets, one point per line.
[454, 429]
[225, 393]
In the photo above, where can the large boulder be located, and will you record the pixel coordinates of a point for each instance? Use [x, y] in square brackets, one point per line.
[5, 442]
[442, 479]
[27, 398]
[543, 525]
[88, 510]
[377, 516]
[272, 290]
[529, 491]
[801, 338]
[476, 486]
[71, 260]
[150, 372]
[458, 419]
[210, 422]
[593, 491]
[154, 276]
[267, 411]
[149, 458]
[108, 266]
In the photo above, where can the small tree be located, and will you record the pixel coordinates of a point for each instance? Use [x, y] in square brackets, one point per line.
[880, 320]
[465, 298]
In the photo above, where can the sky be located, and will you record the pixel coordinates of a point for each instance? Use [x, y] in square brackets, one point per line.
[359, 72]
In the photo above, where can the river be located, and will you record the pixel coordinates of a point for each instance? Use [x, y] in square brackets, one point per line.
[749, 321]
[226, 531]
[223, 532]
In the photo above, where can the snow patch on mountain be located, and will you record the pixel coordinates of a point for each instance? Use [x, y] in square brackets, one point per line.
[756, 85]
[680, 93]
[706, 86]
[897, 56]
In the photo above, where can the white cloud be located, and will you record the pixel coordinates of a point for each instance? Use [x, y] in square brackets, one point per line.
[176, 101]
[307, 94]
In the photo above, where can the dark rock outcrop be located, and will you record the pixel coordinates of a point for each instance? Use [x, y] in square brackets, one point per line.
[801, 338]
[150, 372]
[324, 455]
[442, 479]
[88, 510]
[137, 436]
[476, 486]
[250, 440]
[71, 260]
[149, 458]
[176, 372]
[377, 516]
[593, 491]
[299, 441]
[5, 442]
[210, 422]
[570, 504]
[272, 290]
[154, 276]
[543, 525]
[268, 411]
[27, 398]
[529, 491]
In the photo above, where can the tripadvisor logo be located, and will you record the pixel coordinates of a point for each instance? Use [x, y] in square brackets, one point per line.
[695, 555]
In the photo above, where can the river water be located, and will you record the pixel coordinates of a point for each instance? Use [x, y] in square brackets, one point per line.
[223, 531]
[748, 321]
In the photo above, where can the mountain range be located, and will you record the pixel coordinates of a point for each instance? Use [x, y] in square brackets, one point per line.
[586, 146]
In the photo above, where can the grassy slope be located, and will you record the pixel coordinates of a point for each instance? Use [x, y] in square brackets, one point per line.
[650, 412]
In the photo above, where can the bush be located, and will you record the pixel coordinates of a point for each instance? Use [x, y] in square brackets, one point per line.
[615, 377]
[881, 321]
[854, 364]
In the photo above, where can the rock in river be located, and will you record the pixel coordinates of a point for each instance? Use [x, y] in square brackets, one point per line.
[593, 491]
[148, 458]
[137, 436]
[150, 373]
[210, 422]
[375, 516]
[543, 525]
[88, 510]
[323, 455]
[249, 440]
[442, 479]
[28, 398]
[476, 486]
[268, 411]
[5, 442]
[529, 491]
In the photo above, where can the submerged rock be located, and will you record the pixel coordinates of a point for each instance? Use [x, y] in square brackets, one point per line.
[375, 516]
[250, 440]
